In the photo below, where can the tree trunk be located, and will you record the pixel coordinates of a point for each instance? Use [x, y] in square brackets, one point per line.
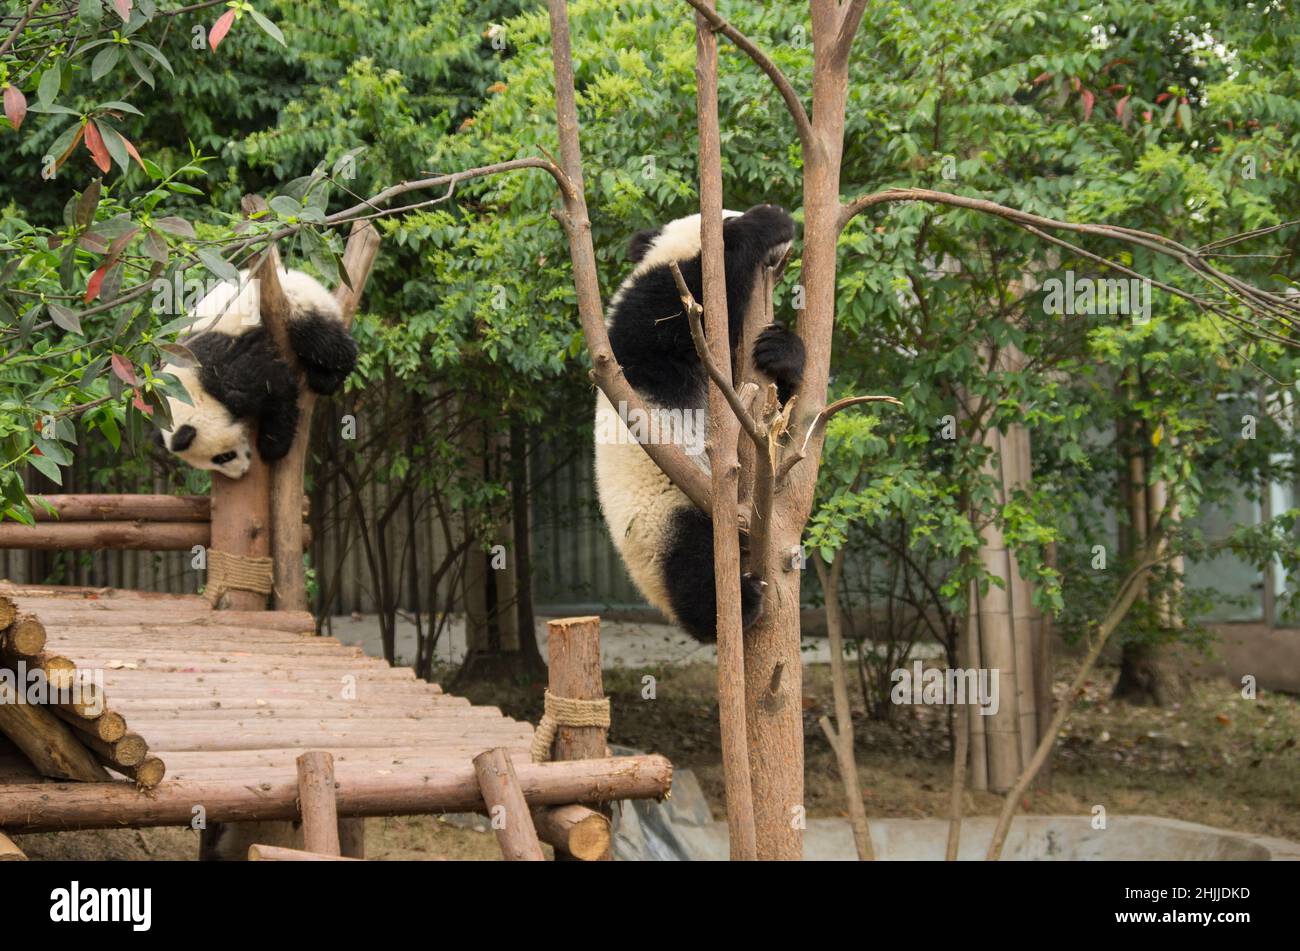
[1148, 676]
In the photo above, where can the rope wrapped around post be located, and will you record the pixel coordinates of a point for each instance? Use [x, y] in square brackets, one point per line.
[231, 572]
[566, 711]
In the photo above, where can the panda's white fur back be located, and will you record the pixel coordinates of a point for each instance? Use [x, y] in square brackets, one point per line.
[637, 499]
[638, 502]
[235, 308]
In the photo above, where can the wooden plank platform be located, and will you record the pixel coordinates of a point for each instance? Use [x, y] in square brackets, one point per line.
[236, 696]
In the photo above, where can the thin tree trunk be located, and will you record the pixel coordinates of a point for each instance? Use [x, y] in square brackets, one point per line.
[840, 736]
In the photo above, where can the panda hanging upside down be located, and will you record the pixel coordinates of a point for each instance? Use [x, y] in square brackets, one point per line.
[665, 541]
[241, 378]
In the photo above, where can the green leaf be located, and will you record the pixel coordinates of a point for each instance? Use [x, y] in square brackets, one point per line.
[46, 468]
[104, 61]
[49, 85]
[268, 27]
[218, 265]
[65, 318]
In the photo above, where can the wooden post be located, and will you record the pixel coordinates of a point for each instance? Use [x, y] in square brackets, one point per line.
[574, 666]
[507, 807]
[289, 472]
[320, 816]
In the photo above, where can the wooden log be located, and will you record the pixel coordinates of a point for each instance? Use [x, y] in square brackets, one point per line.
[506, 807]
[46, 741]
[24, 635]
[88, 536]
[53, 807]
[9, 852]
[59, 671]
[241, 526]
[287, 478]
[8, 611]
[276, 853]
[574, 830]
[147, 774]
[130, 508]
[320, 817]
[108, 727]
[574, 671]
[129, 750]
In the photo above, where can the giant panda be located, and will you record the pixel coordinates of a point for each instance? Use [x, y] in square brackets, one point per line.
[664, 540]
[241, 379]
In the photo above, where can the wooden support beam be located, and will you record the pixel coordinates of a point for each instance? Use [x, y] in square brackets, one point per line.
[574, 830]
[275, 853]
[506, 807]
[125, 536]
[320, 817]
[9, 852]
[46, 741]
[116, 508]
[52, 807]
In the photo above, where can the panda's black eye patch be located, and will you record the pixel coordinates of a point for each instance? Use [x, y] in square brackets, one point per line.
[221, 458]
[182, 438]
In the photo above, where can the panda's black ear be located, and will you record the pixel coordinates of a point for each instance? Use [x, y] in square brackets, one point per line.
[183, 437]
[640, 243]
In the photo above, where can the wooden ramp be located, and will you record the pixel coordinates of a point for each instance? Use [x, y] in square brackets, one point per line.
[234, 694]
[194, 711]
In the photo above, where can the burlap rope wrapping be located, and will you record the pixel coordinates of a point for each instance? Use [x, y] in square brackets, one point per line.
[565, 711]
[228, 572]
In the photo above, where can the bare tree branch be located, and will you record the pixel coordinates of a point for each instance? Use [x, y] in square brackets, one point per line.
[792, 101]
[1276, 307]
[694, 312]
[819, 423]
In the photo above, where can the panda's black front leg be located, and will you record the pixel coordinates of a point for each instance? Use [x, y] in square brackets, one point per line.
[277, 418]
[325, 350]
[779, 353]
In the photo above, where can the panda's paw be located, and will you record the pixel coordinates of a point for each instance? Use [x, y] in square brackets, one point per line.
[779, 354]
[751, 599]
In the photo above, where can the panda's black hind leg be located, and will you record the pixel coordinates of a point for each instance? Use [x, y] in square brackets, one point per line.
[325, 350]
[779, 353]
[688, 574]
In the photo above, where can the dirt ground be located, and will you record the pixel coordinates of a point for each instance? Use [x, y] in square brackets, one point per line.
[1216, 759]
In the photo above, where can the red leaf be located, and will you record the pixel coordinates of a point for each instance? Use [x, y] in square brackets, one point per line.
[130, 150]
[1146, 116]
[1074, 82]
[1121, 111]
[1042, 78]
[96, 281]
[95, 146]
[140, 404]
[1089, 100]
[123, 8]
[1162, 97]
[15, 106]
[220, 29]
[122, 369]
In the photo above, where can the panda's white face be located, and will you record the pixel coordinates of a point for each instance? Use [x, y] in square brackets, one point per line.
[204, 434]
